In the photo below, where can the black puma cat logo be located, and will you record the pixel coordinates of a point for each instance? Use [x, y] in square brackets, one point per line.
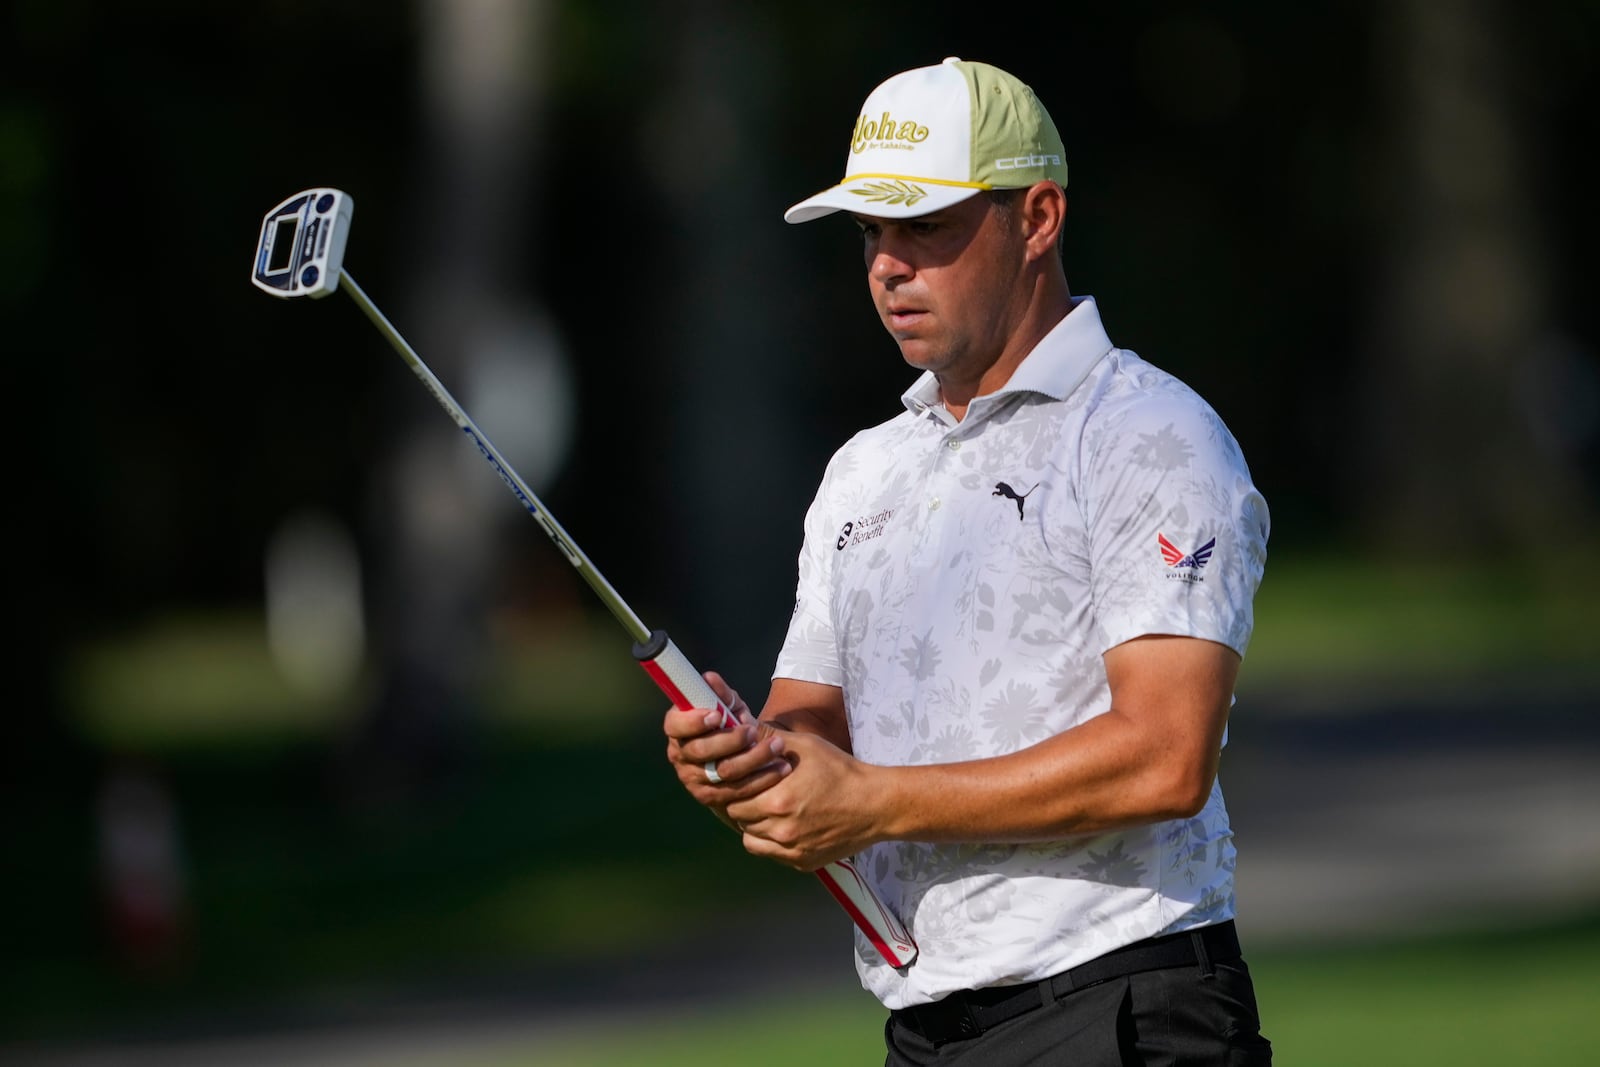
[1002, 489]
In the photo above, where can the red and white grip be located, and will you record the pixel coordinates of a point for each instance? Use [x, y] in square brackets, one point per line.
[675, 676]
[672, 672]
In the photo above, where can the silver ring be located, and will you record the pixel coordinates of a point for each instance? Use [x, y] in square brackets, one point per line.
[711, 773]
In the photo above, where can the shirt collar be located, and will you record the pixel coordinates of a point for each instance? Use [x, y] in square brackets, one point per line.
[1055, 367]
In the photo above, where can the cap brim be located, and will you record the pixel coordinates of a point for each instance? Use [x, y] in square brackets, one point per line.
[884, 198]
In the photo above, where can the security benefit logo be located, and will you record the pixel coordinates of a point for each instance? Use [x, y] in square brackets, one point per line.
[862, 529]
[1185, 566]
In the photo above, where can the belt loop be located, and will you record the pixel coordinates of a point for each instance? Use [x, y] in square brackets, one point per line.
[1201, 956]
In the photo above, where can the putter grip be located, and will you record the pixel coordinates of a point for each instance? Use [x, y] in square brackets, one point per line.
[672, 672]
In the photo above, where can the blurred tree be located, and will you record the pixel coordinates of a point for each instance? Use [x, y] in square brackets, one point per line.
[1223, 208]
[1452, 461]
[438, 510]
[726, 363]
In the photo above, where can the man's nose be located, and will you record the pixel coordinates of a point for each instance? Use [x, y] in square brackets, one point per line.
[888, 268]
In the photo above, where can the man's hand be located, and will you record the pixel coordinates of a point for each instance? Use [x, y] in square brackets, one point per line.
[746, 759]
[825, 810]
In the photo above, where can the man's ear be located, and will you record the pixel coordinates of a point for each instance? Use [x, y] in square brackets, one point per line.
[1044, 214]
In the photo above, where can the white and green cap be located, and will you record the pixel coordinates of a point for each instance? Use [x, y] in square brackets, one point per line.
[934, 136]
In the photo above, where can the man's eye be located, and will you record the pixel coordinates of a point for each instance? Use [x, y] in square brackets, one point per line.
[922, 226]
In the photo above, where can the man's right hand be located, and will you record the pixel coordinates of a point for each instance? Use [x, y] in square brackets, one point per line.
[747, 758]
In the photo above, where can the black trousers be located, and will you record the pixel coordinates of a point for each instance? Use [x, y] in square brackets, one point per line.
[1201, 1013]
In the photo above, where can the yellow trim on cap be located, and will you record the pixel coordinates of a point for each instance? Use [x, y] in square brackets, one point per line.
[914, 178]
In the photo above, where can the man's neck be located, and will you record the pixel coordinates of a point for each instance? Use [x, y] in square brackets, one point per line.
[1044, 313]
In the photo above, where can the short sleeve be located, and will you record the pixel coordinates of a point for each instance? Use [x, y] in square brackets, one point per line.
[809, 652]
[1177, 529]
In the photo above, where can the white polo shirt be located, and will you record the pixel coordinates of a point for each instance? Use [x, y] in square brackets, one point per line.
[960, 581]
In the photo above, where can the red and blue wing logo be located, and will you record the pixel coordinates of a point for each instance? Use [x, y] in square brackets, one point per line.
[1176, 557]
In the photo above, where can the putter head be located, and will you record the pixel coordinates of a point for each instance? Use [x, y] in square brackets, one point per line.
[302, 244]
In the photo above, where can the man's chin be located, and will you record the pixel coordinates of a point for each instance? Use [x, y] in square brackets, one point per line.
[918, 353]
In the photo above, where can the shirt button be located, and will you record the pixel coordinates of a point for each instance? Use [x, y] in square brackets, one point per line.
[933, 505]
[955, 446]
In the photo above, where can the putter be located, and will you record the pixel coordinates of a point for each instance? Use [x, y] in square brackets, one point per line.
[301, 254]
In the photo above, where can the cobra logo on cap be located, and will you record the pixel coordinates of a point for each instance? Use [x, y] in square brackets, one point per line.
[1020, 162]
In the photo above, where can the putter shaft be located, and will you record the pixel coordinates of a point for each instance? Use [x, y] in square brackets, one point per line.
[603, 589]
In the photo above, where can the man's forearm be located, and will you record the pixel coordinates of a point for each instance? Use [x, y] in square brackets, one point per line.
[1097, 777]
[809, 721]
[808, 708]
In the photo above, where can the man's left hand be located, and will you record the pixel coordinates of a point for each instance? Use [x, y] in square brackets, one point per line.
[821, 812]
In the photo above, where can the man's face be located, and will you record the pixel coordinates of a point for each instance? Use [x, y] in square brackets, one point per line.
[946, 284]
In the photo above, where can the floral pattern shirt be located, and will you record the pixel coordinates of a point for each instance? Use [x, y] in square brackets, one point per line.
[960, 582]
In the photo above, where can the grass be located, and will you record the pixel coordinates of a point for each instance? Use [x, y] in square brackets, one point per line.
[1486, 999]
[210, 681]
[1467, 1000]
[1347, 622]
[1512, 997]
[837, 1027]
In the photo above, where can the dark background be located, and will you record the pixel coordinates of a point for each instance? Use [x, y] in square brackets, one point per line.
[1237, 183]
[1363, 231]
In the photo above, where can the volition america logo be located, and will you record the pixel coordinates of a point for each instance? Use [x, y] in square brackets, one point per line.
[1186, 566]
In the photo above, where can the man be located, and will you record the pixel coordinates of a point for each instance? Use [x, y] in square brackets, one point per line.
[1022, 606]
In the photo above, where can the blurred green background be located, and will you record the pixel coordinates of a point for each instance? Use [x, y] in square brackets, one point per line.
[318, 750]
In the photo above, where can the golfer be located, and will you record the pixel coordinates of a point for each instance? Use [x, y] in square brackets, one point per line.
[1022, 605]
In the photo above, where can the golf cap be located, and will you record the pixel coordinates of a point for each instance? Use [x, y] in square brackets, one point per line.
[934, 136]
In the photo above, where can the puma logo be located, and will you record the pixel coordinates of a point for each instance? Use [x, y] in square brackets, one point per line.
[1002, 489]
